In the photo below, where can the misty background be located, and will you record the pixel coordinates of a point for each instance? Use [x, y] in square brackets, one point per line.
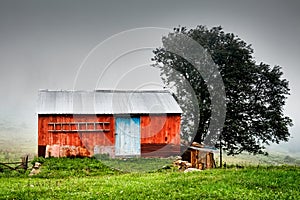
[70, 45]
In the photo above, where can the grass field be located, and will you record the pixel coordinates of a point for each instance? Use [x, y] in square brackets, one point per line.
[274, 158]
[91, 179]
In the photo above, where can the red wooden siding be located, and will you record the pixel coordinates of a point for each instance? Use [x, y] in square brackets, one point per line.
[160, 135]
[87, 140]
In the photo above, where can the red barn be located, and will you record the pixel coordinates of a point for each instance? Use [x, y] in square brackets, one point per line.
[118, 123]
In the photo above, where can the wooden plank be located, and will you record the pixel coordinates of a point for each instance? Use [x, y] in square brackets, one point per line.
[160, 129]
[67, 123]
[159, 150]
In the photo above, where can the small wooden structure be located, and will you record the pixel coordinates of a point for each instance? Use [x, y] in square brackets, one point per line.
[114, 122]
[199, 157]
[17, 165]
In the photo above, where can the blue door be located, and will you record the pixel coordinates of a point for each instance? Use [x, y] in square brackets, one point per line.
[128, 139]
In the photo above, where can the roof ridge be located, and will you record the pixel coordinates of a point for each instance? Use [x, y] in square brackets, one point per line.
[109, 91]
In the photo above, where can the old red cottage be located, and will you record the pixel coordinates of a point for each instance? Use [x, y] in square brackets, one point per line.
[118, 123]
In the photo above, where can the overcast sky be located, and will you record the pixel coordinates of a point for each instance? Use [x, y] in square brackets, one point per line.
[68, 44]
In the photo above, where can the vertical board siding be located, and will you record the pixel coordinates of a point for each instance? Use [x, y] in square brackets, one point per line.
[160, 129]
[85, 140]
[160, 135]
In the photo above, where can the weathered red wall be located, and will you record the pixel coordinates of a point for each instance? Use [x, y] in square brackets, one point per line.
[85, 140]
[160, 135]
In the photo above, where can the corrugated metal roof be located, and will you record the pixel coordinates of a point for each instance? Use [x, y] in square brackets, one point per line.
[106, 102]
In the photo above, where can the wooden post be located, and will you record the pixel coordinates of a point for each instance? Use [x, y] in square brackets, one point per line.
[197, 158]
[193, 158]
[213, 160]
[209, 160]
[221, 161]
[24, 164]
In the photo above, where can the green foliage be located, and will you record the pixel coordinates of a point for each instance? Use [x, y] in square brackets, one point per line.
[255, 93]
[38, 159]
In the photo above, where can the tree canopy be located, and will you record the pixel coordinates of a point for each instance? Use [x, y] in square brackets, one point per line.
[255, 93]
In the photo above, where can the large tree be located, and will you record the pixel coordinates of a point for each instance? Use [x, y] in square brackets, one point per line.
[255, 93]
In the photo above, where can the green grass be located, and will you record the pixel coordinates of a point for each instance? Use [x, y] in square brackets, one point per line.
[90, 179]
[136, 164]
[73, 167]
